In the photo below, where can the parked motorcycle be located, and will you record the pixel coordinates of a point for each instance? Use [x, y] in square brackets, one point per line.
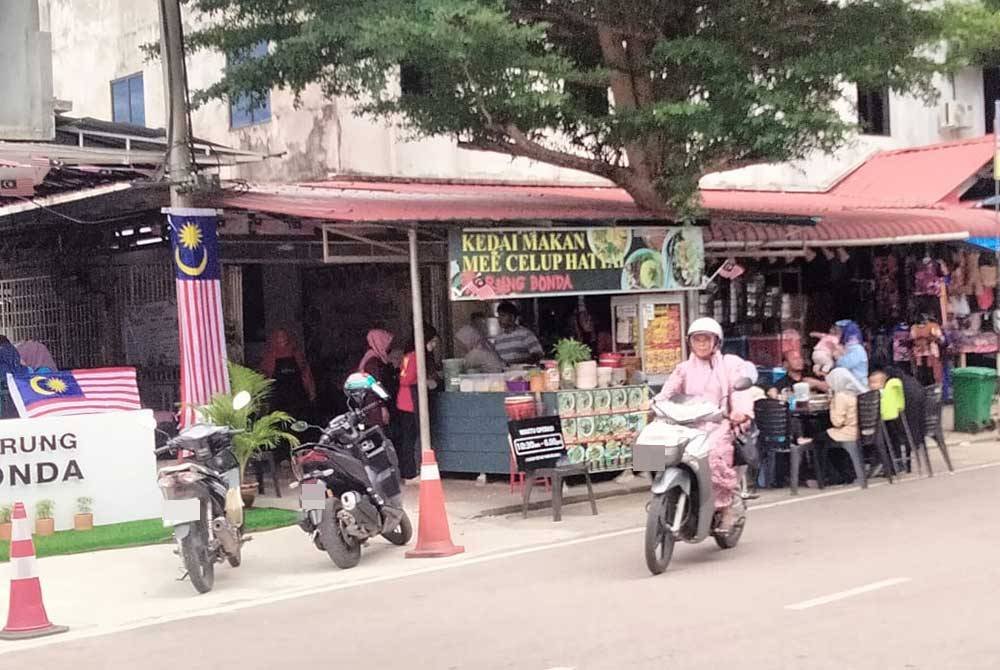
[202, 499]
[683, 507]
[349, 479]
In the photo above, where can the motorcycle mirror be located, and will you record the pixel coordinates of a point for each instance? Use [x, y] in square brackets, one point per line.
[377, 389]
[300, 426]
[241, 400]
[742, 384]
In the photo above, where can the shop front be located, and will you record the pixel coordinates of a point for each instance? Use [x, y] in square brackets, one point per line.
[631, 285]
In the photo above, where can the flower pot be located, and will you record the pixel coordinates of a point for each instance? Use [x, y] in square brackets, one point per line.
[249, 494]
[45, 527]
[83, 521]
[5, 531]
[567, 376]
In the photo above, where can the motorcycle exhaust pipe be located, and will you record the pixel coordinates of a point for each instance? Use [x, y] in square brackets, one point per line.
[226, 535]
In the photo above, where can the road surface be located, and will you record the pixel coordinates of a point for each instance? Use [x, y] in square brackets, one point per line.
[901, 576]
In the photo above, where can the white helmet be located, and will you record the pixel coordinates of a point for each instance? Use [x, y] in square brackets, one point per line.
[705, 325]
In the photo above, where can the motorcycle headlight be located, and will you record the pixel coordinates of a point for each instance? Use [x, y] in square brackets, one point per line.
[349, 500]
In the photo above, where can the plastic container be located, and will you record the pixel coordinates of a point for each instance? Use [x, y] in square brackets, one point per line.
[520, 407]
[586, 375]
[604, 377]
[453, 373]
[973, 393]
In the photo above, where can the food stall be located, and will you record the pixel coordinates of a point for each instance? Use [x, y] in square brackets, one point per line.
[648, 272]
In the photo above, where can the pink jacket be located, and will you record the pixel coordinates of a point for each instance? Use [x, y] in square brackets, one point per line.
[711, 380]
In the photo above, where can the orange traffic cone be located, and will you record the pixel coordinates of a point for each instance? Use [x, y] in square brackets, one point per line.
[433, 536]
[26, 617]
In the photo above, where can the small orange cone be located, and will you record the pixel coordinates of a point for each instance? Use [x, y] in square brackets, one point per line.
[26, 617]
[433, 536]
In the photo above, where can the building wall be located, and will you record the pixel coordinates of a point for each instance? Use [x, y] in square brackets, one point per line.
[913, 122]
[96, 41]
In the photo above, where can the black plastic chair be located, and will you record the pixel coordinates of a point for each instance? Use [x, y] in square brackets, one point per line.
[871, 430]
[557, 474]
[933, 427]
[774, 422]
[266, 461]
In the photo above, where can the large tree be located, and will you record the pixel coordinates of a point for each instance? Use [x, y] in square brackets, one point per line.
[696, 86]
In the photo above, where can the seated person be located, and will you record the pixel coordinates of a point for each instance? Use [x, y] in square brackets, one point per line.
[795, 367]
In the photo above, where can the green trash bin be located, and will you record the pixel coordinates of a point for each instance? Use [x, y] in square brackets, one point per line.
[973, 395]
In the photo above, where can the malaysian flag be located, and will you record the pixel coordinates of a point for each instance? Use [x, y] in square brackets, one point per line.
[74, 392]
[199, 308]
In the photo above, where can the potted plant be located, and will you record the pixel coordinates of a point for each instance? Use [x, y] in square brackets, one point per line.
[44, 523]
[5, 512]
[84, 517]
[258, 432]
[569, 353]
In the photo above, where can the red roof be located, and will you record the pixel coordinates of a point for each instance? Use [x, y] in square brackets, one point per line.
[908, 194]
[917, 177]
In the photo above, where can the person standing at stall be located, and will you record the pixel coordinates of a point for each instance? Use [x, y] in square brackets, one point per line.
[516, 345]
[406, 403]
[376, 363]
[854, 356]
[294, 391]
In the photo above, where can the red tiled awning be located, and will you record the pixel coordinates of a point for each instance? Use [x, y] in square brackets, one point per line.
[472, 204]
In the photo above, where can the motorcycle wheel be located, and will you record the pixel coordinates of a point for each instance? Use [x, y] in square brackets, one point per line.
[199, 565]
[403, 532]
[659, 539]
[732, 538]
[344, 552]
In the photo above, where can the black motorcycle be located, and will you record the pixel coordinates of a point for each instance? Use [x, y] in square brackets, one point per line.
[349, 479]
[202, 499]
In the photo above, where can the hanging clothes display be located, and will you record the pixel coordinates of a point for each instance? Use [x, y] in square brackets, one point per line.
[887, 305]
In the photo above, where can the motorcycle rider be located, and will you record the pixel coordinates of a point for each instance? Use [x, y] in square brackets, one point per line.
[709, 375]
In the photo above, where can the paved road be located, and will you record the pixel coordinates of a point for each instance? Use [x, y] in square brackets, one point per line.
[894, 577]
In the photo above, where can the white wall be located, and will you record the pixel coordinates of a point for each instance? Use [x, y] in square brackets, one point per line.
[95, 41]
[912, 122]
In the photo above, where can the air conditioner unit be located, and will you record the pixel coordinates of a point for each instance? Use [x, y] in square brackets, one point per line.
[953, 115]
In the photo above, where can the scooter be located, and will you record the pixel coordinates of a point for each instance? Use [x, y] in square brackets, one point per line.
[202, 499]
[682, 507]
[349, 479]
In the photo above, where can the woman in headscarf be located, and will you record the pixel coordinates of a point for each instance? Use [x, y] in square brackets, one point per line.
[294, 389]
[376, 363]
[36, 356]
[854, 357]
[843, 421]
[480, 356]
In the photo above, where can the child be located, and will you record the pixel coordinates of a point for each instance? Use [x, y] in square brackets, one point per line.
[825, 352]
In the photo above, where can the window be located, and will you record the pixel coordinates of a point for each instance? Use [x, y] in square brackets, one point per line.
[873, 111]
[412, 80]
[127, 104]
[249, 110]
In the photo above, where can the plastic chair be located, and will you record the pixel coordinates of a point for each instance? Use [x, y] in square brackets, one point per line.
[517, 477]
[871, 430]
[933, 399]
[774, 423]
[556, 474]
[267, 460]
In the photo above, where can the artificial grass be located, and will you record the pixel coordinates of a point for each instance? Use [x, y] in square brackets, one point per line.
[136, 533]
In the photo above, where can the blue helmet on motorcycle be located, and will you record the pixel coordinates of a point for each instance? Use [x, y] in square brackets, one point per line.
[359, 385]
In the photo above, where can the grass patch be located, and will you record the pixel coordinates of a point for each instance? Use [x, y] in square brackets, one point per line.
[137, 533]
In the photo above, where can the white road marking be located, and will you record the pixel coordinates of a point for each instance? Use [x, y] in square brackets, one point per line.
[849, 593]
[445, 564]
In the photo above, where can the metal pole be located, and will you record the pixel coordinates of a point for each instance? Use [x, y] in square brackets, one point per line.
[420, 345]
[175, 88]
[996, 203]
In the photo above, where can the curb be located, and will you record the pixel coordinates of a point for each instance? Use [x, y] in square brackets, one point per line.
[567, 500]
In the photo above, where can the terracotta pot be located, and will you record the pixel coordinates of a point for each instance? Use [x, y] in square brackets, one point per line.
[45, 527]
[249, 494]
[83, 521]
[5, 531]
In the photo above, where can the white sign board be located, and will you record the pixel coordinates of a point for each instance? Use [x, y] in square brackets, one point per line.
[107, 457]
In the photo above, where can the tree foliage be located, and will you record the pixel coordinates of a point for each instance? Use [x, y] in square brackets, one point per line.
[697, 86]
